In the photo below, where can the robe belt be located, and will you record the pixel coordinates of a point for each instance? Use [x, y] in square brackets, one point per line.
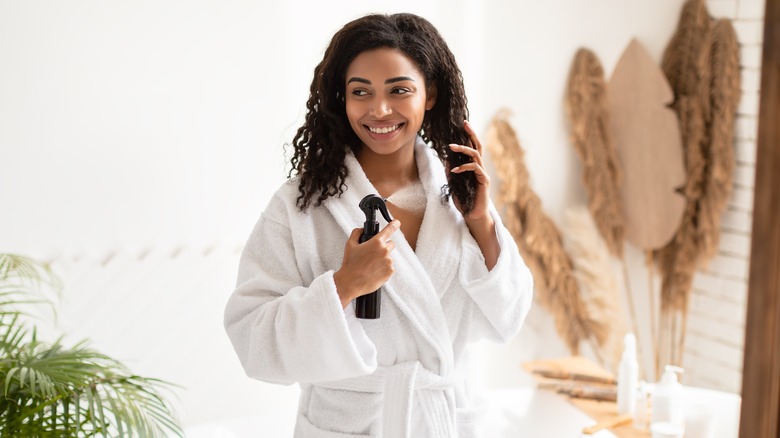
[399, 383]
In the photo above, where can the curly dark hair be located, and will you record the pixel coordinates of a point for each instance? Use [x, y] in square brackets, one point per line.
[321, 143]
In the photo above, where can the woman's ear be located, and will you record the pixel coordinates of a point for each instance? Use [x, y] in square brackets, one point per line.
[430, 99]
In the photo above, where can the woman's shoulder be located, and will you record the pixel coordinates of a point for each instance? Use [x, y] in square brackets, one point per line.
[283, 202]
[288, 191]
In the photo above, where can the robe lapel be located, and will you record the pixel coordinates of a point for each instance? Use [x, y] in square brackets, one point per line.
[439, 242]
[413, 288]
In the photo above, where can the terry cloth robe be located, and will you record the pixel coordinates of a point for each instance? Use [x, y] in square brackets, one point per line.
[392, 377]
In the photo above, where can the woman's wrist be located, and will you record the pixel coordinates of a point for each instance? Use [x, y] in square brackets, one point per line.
[342, 288]
[483, 231]
[481, 228]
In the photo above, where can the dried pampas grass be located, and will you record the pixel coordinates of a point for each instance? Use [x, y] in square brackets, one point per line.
[539, 240]
[686, 66]
[702, 65]
[586, 108]
[596, 280]
[724, 99]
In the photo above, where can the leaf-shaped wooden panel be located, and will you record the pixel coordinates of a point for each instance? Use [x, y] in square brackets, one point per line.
[647, 139]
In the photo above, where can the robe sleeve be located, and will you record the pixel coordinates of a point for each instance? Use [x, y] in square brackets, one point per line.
[285, 331]
[502, 295]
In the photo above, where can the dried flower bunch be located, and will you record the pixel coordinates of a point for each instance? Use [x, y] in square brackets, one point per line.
[596, 279]
[586, 108]
[540, 241]
[702, 66]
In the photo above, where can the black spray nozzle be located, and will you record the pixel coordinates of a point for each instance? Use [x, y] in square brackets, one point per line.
[370, 204]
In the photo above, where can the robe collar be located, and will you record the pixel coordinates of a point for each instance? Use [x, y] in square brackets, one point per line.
[422, 277]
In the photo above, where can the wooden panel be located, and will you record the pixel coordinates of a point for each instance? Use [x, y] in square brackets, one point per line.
[761, 376]
[647, 139]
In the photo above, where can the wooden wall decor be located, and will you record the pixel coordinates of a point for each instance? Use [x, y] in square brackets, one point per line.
[647, 139]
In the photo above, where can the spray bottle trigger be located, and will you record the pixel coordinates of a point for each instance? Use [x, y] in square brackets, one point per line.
[370, 204]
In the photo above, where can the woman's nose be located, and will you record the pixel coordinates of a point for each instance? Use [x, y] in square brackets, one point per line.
[381, 108]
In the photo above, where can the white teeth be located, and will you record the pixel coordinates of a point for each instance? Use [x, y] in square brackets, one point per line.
[383, 130]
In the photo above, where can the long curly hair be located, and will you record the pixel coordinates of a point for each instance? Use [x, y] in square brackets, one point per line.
[321, 144]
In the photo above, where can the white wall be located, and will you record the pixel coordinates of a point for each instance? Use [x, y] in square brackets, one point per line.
[529, 47]
[128, 127]
[146, 123]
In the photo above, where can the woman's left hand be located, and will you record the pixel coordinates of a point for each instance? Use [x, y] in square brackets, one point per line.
[480, 211]
[480, 223]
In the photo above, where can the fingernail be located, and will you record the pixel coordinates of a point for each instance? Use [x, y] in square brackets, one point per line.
[453, 145]
[455, 169]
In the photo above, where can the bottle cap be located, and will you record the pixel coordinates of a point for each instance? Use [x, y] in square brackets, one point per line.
[629, 346]
[670, 374]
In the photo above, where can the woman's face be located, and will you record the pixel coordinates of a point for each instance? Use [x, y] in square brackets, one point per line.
[386, 100]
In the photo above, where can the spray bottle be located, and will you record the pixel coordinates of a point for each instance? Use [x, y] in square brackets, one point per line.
[367, 306]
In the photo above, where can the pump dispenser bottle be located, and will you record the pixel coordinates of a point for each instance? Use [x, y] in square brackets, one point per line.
[667, 398]
[368, 306]
[628, 377]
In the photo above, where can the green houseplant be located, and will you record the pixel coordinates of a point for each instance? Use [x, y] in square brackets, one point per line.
[50, 390]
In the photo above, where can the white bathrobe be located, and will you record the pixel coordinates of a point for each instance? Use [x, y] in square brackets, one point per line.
[392, 377]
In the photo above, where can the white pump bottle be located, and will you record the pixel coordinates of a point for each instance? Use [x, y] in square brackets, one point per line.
[628, 377]
[667, 398]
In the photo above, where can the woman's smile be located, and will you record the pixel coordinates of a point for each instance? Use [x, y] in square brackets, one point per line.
[384, 130]
[384, 133]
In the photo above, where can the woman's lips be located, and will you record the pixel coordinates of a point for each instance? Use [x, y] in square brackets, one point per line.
[384, 132]
[383, 129]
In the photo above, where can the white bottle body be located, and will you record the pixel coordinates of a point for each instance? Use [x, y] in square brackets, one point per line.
[667, 407]
[642, 414]
[628, 381]
[628, 377]
[667, 400]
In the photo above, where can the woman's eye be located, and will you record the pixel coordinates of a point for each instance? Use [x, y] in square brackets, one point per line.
[359, 92]
[401, 90]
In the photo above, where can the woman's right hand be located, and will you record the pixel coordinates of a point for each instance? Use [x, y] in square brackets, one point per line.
[366, 266]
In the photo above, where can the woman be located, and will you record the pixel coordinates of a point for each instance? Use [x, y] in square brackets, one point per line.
[386, 108]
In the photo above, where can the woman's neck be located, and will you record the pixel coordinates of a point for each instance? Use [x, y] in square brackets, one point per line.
[390, 171]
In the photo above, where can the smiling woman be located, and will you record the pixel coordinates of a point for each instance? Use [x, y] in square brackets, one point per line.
[387, 109]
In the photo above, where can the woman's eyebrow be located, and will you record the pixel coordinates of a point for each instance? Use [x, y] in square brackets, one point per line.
[399, 79]
[388, 81]
[356, 79]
